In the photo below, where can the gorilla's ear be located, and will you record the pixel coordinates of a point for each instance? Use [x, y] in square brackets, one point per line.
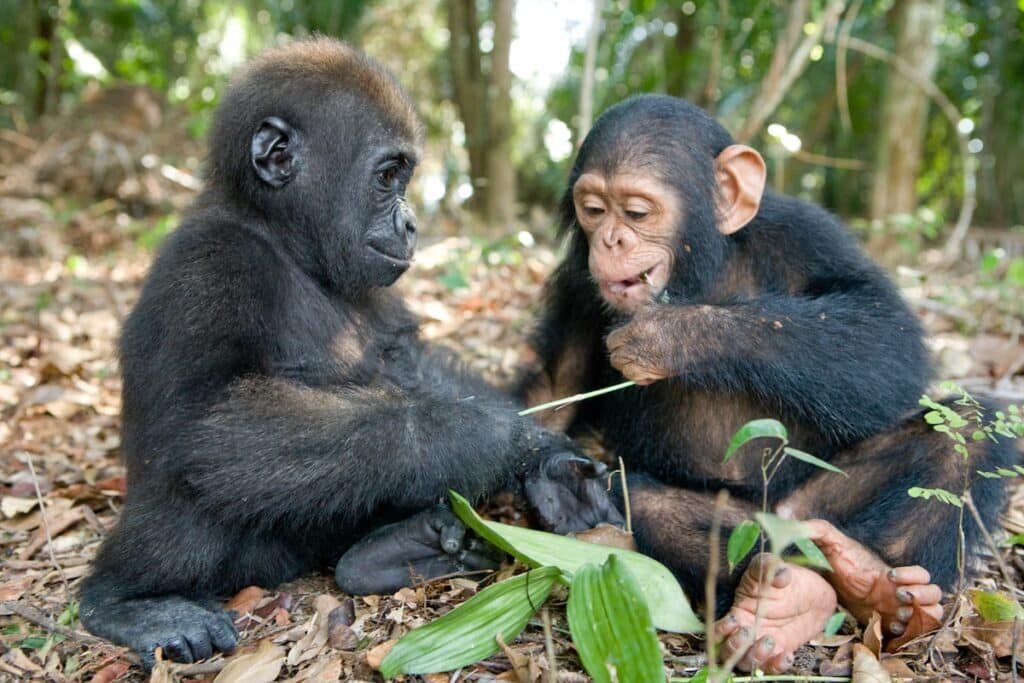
[273, 151]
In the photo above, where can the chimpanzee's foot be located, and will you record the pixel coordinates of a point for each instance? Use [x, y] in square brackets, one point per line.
[186, 631]
[795, 605]
[429, 544]
[908, 604]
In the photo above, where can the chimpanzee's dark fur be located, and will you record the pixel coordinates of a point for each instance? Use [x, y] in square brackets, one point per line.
[786, 318]
[277, 402]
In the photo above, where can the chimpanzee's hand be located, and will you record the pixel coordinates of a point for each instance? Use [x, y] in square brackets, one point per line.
[643, 349]
[429, 544]
[568, 492]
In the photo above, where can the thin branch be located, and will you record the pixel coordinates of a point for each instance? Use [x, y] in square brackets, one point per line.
[1003, 569]
[549, 645]
[952, 114]
[714, 548]
[625, 497]
[587, 85]
[842, 45]
[46, 524]
[575, 398]
[31, 614]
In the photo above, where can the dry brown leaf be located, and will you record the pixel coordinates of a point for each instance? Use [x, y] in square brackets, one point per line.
[161, 672]
[873, 634]
[841, 664]
[57, 525]
[12, 506]
[261, 666]
[520, 662]
[866, 667]
[607, 534]
[375, 655]
[13, 588]
[245, 600]
[111, 672]
[997, 635]
[22, 661]
[898, 668]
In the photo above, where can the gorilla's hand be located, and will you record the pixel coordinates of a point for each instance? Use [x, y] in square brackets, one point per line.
[429, 544]
[568, 492]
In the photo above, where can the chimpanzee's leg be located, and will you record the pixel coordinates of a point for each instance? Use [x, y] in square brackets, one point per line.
[906, 549]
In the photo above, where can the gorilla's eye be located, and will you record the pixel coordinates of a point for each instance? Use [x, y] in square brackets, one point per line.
[386, 176]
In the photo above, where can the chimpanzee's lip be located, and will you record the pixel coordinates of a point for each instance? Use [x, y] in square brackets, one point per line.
[395, 260]
[624, 285]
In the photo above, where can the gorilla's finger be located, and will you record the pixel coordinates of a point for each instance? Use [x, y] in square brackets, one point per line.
[223, 635]
[452, 537]
[176, 649]
[474, 560]
[199, 642]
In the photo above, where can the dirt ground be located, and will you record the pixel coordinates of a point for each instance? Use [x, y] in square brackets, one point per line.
[70, 271]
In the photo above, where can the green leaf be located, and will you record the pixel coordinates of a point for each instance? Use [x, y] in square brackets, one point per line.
[782, 533]
[812, 555]
[611, 627]
[467, 633]
[834, 623]
[993, 606]
[756, 429]
[939, 494]
[934, 417]
[1016, 539]
[741, 541]
[670, 610]
[812, 460]
[702, 675]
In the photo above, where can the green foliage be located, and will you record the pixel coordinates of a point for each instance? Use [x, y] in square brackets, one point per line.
[741, 541]
[469, 632]
[947, 497]
[755, 429]
[994, 607]
[834, 623]
[666, 601]
[611, 626]
[812, 460]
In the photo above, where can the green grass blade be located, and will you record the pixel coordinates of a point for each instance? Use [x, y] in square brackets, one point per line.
[611, 626]
[467, 633]
[755, 429]
[665, 599]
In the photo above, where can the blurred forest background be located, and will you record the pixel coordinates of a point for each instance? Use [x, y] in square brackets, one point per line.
[903, 116]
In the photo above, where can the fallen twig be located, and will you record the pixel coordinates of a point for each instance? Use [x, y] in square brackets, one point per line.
[575, 398]
[31, 614]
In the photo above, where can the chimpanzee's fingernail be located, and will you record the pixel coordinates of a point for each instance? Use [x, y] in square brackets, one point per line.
[896, 628]
[768, 643]
[892, 575]
[904, 613]
[904, 596]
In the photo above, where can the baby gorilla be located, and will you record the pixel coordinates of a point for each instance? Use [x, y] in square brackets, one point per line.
[278, 404]
[726, 303]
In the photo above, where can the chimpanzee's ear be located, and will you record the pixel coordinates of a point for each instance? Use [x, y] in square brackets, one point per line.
[273, 151]
[741, 173]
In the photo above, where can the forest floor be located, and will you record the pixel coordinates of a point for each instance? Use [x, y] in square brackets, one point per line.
[69, 273]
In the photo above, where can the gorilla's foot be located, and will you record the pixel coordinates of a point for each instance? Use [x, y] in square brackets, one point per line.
[184, 630]
[908, 604]
[795, 604]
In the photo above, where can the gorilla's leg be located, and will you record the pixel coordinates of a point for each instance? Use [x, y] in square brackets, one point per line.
[427, 545]
[186, 630]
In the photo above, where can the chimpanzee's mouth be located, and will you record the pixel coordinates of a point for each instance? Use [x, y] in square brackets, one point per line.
[623, 286]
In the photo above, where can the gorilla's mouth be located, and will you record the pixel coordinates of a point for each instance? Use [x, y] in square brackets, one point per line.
[397, 261]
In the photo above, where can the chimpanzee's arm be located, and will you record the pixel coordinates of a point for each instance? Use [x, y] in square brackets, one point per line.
[851, 361]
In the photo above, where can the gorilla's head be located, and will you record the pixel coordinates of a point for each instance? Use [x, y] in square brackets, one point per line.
[321, 141]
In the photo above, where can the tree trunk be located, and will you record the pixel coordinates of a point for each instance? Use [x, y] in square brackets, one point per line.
[586, 115]
[499, 206]
[469, 91]
[904, 112]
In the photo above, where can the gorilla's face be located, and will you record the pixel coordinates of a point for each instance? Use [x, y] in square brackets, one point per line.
[340, 176]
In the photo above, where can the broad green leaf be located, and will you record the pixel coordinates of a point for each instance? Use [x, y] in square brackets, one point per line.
[834, 623]
[812, 555]
[782, 533]
[1016, 539]
[755, 429]
[611, 627]
[812, 460]
[994, 606]
[670, 610]
[468, 633]
[741, 541]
